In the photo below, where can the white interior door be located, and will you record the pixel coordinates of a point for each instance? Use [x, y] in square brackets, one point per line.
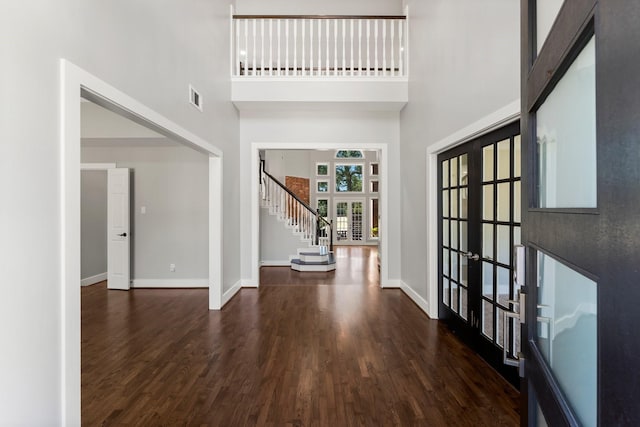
[118, 228]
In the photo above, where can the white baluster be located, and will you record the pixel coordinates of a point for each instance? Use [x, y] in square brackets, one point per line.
[344, 50]
[335, 47]
[295, 47]
[393, 56]
[359, 47]
[384, 47]
[303, 71]
[246, 46]
[270, 47]
[262, 48]
[368, 47]
[319, 47]
[375, 65]
[237, 22]
[311, 47]
[352, 52]
[327, 58]
[279, 54]
[286, 60]
[401, 42]
[253, 51]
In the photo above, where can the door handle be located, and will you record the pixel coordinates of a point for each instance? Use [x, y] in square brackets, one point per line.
[472, 256]
[509, 361]
[123, 235]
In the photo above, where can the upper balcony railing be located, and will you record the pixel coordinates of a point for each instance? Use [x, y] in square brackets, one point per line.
[318, 46]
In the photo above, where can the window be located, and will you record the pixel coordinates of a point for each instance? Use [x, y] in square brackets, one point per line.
[374, 169]
[373, 186]
[322, 186]
[323, 207]
[349, 178]
[349, 154]
[322, 169]
[373, 218]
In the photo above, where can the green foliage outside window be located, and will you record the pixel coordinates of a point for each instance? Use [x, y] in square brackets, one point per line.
[348, 178]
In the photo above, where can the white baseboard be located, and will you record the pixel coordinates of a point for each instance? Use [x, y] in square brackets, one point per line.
[230, 293]
[275, 263]
[420, 302]
[391, 283]
[249, 283]
[88, 281]
[170, 283]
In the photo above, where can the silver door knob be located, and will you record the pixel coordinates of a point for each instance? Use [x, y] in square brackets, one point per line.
[472, 256]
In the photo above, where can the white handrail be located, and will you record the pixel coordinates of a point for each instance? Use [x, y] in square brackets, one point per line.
[365, 49]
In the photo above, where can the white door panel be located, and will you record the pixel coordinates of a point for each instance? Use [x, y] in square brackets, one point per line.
[118, 228]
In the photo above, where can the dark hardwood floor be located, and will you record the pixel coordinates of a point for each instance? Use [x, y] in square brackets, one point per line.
[315, 349]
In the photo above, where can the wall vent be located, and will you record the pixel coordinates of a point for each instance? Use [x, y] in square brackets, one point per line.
[195, 98]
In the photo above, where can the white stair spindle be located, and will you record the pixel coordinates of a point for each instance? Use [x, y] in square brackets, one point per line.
[375, 38]
[393, 56]
[270, 47]
[319, 47]
[253, 51]
[295, 47]
[401, 52]
[279, 54]
[344, 50]
[384, 47]
[246, 46]
[262, 48]
[368, 47]
[286, 36]
[311, 47]
[351, 53]
[237, 22]
[359, 47]
[303, 40]
[335, 48]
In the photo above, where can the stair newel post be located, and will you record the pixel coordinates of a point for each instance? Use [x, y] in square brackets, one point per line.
[317, 239]
[331, 236]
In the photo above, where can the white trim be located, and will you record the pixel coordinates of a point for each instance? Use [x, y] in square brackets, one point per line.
[328, 165]
[415, 297]
[76, 83]
[170, 283]
[391, 283]
[254, 165]
[275, 263]
[505, 115]
[97, 166]
[92, 280]
[230, 293]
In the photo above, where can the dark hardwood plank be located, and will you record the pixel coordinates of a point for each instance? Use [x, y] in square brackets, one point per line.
[340, 352]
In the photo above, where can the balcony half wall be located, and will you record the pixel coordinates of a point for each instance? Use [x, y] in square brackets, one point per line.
[319, 62]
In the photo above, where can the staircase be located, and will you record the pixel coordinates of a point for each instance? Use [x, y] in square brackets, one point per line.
[303, 221]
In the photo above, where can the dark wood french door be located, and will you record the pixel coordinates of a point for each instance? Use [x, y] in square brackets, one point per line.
[480, 215]
[581, 211]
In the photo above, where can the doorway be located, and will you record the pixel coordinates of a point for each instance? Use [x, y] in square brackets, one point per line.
[349, 222]
[479, 223]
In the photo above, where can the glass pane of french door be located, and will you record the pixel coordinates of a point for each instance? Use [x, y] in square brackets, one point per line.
[356, 221]
[455, 238]
[500, 232]
[342, 221]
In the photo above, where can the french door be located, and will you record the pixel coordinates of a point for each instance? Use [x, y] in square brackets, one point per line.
[581, 211]
[350, 223]
[480, 216]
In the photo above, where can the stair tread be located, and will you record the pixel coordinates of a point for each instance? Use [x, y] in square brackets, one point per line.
[315, 253]
[299, 262]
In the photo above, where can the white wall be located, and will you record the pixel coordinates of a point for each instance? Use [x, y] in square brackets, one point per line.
[314, 128]
[464, 65]
[94, 223]
[314, 7]
[172, 184]
[283, 163]
[151, 52]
